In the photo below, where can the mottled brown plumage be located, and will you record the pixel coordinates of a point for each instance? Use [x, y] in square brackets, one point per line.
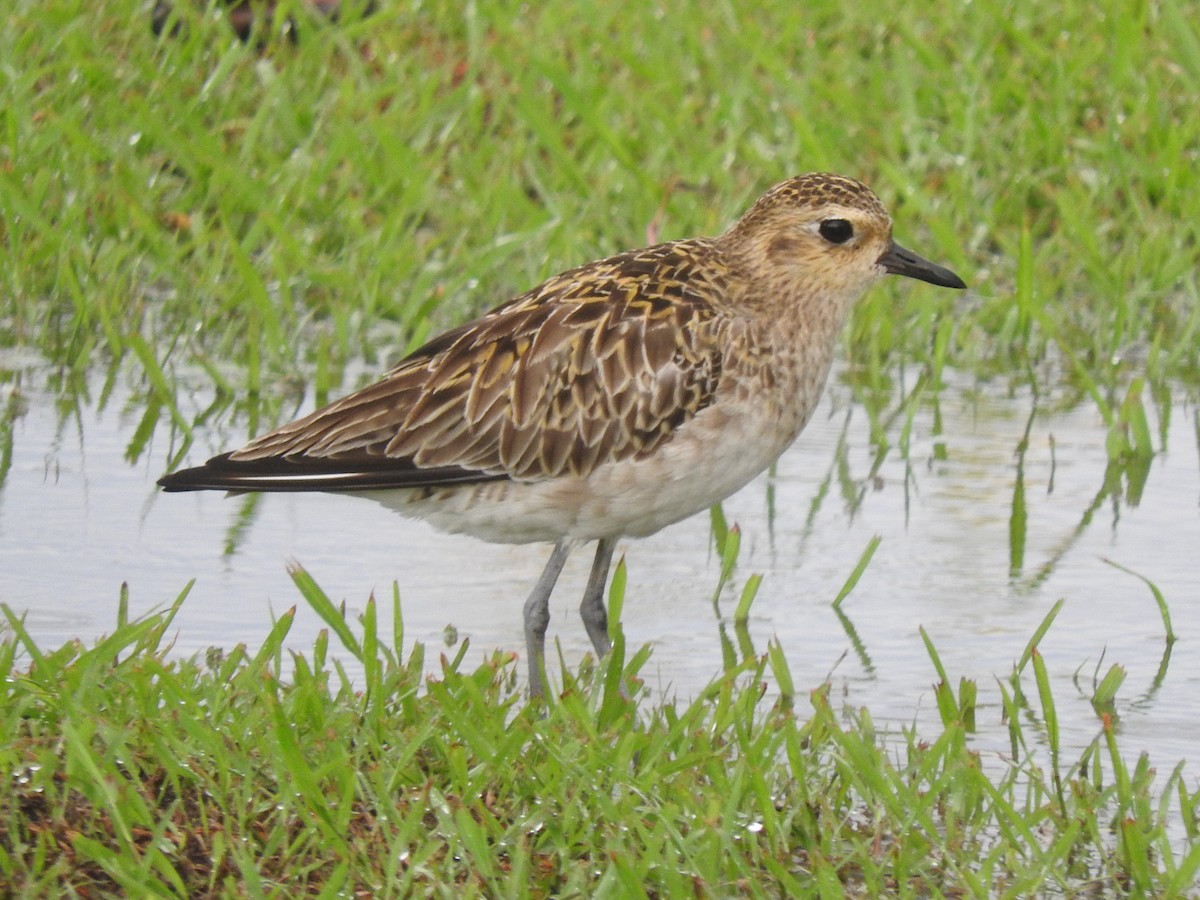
[599, 364]
[610, 400]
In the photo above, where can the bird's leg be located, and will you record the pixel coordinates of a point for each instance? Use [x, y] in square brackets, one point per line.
[592, 610]
[537, 615]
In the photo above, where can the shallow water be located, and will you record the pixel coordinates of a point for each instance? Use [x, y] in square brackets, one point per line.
[77, 520]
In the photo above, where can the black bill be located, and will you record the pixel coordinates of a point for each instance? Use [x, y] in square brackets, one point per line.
[898, 261]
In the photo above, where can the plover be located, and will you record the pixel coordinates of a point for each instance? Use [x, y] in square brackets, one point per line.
[611, 400]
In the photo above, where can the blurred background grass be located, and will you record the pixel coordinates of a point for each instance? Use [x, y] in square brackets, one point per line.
[247, 216]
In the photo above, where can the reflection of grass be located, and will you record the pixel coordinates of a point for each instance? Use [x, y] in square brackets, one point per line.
[134, 773]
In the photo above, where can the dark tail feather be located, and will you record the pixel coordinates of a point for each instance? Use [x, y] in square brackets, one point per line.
[222, 473]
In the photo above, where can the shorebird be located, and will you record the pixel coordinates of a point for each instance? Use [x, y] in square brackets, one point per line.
[609, 401]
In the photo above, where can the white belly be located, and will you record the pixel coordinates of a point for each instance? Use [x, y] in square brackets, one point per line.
[713, 456]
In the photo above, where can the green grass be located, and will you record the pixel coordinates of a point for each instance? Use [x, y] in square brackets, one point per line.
[226, 226]
[265, 773]
[227, 214]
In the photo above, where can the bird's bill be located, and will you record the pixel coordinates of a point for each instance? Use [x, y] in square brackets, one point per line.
[899, 261]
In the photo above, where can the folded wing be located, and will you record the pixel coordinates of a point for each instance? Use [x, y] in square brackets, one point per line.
[599, 364]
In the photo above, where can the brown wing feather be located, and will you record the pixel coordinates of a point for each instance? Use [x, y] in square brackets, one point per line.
[599, 364]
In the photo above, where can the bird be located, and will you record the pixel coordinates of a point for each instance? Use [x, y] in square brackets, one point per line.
[611, 400]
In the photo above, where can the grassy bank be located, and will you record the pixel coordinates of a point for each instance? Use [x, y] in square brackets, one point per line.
[132, 771]
[228, 213]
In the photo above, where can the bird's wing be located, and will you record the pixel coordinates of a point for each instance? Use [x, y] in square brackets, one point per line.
[599, 364]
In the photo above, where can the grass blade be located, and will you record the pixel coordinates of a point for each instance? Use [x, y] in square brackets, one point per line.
[863, 561]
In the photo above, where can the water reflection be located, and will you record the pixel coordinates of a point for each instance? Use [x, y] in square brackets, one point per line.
[988, 511]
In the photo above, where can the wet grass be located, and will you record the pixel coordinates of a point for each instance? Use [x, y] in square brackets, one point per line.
[237, 229]
[240, 215]
[252, 773]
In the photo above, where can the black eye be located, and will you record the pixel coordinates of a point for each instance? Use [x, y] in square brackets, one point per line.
[836, 231]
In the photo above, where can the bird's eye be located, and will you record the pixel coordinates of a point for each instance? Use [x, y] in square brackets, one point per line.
[836, 231]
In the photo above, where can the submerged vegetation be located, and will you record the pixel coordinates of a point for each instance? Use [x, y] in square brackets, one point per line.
[233, 229]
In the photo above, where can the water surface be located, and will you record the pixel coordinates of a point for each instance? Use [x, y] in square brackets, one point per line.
[77, 519]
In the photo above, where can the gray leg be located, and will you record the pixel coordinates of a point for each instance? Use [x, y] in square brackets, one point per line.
[595, 616]
[537, 615]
